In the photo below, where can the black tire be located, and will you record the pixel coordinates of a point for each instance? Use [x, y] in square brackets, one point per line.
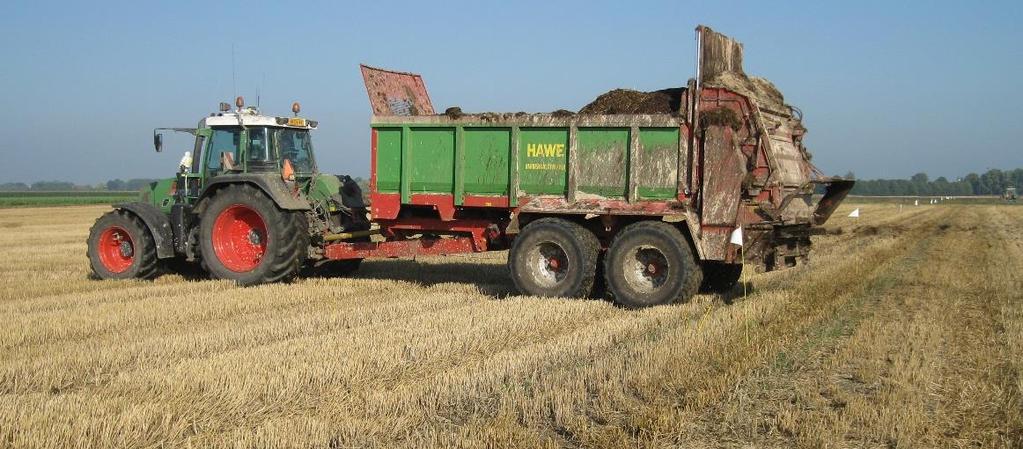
[286, 240]
[651, 263]
[719, 277]
[570, 252]
[129, 250]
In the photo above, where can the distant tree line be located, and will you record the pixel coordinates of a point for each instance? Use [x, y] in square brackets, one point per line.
[991, 182]
[116, 185]
[113, 185]
[130, 185]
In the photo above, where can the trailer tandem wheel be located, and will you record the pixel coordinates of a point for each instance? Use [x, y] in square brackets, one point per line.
[554, 257]
[650, 263]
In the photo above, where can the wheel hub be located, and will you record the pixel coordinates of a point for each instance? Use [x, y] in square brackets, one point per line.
[646, 269]
[550, 264]
[115, 249]
[239, 238]
[255, 238]
[126, 249]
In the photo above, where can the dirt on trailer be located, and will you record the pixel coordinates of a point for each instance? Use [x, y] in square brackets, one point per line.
[456, 113]
[627, 101]
[755, 88]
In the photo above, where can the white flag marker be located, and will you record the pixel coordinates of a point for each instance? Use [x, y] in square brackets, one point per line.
[736, 238]
[855, 213]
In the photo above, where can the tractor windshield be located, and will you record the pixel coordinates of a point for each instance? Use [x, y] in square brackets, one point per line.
[295, 145]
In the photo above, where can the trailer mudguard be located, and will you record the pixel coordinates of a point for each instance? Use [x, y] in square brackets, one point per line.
[270, 183]
[158, 224]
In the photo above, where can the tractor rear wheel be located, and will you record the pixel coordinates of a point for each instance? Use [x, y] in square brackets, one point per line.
[121, 247]
[245, 237]
[650, 263]
[554, 257]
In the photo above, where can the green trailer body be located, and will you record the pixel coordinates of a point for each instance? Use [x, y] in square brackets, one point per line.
[630, 158]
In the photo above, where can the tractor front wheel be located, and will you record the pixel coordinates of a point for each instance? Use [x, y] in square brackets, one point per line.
[246, 238]
[121, 247]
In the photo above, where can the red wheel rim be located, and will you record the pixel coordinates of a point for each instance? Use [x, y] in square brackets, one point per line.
[239, 238]
[116, 249]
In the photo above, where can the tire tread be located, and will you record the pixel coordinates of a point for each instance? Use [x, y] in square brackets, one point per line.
[288, 256]
[588, 244]
[690, 283]
[145, 247]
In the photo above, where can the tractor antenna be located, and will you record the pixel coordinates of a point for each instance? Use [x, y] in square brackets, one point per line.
[234, 85]
[262, 80]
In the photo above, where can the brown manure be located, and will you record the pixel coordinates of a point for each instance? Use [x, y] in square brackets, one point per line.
[627, 101]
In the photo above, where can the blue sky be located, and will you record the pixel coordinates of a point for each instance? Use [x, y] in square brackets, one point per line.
[888, 89]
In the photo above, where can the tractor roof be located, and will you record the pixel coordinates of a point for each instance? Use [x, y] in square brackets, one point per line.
[250, 116]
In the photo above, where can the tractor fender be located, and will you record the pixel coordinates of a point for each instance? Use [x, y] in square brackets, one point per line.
[271, 184]
[158, 224]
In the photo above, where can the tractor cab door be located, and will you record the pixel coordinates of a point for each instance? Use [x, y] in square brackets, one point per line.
[192, 178]
[216, 152]
[223, 152]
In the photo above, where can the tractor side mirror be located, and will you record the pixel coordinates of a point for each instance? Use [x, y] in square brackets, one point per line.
[158, 142]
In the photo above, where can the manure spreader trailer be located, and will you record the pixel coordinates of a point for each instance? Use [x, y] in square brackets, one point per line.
[646, 208]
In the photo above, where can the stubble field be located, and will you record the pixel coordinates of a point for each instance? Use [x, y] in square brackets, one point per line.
[906, 330]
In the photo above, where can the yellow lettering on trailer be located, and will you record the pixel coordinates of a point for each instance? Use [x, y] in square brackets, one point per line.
[545, 150]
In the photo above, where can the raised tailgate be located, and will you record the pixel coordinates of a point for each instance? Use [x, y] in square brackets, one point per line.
[396, 93]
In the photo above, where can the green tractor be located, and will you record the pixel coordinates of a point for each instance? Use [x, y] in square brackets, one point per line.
[248, 204]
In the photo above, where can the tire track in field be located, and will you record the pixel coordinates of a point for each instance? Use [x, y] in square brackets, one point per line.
[820, 392]
[659, 352]
[404, 401]
[473, 383]
[827, 246]
[807, 305]
[753, 394]
[457, 384]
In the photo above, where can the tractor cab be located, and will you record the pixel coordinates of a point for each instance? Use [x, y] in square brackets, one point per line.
[238, 142]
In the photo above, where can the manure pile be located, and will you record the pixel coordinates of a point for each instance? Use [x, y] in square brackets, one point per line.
[627, 101]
